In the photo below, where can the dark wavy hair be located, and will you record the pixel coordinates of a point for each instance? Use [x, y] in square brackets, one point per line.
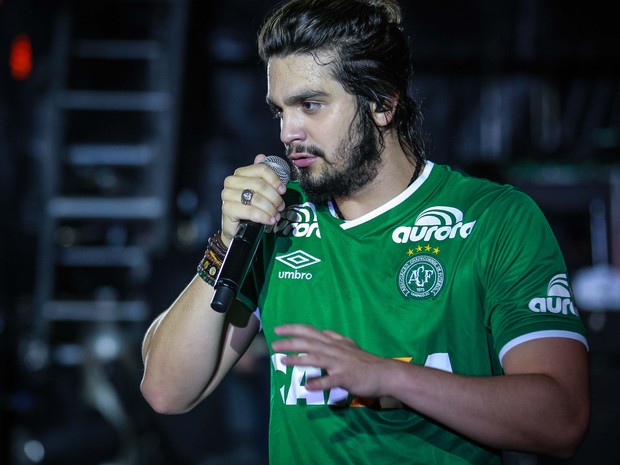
[373, 59]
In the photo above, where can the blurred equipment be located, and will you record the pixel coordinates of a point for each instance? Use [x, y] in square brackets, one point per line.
[105, 152]
[597, 288]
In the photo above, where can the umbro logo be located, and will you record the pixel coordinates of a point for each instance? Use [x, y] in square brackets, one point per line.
[297, 260]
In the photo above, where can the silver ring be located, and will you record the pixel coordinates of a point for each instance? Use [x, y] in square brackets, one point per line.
[246, 196]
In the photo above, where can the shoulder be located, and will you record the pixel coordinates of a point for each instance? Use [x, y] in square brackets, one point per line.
[479, 195]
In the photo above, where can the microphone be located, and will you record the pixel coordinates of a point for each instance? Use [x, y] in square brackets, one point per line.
[243, 248]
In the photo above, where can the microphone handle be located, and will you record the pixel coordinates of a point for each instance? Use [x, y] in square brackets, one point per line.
[236, 264]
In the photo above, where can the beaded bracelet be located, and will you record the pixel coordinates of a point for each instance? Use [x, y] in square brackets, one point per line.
[211, 263]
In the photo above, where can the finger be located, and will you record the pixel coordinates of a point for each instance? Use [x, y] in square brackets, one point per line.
[300, 330]
[281, 187]
[309, 360]
[336, 336]
[326, 338]
[261, 179]
[321, 352]
[265, 204]
[301, 360]
[305, 338]
[299, 345]
[265, 196]
[321, 383]
[324, 382]
[259, 158]
[262, 171]
[259, 208]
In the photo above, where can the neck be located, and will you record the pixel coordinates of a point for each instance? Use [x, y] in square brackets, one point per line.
[397, 172]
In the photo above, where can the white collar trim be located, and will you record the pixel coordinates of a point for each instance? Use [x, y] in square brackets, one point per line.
[400, 198]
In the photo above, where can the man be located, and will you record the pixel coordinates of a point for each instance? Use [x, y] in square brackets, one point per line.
[414, 315]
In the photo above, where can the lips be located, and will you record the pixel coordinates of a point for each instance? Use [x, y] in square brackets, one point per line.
[302, 160]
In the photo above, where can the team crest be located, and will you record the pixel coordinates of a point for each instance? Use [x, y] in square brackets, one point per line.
[421, 277]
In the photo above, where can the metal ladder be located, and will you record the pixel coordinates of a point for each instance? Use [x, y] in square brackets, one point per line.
[108, 158]
[105, 158]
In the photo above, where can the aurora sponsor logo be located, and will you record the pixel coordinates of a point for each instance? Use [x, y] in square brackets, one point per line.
[296, 260]
[298, 221]
[435, 223]
[559, 298]
[421, 277]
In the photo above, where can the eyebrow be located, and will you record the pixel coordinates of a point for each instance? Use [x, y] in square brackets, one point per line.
[296, 99]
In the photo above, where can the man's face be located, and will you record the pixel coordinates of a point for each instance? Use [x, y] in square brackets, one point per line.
[334, 156]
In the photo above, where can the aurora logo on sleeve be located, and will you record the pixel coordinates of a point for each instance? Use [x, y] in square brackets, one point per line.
[435, 223]
[558, 300]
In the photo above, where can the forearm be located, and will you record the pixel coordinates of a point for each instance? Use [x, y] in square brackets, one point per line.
[184, 351]
[188, 350]
[526, 412]
[540, 405]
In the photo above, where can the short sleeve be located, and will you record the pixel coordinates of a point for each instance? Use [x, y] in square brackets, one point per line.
[528, 290]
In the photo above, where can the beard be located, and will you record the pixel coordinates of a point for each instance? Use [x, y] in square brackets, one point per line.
[353, 167]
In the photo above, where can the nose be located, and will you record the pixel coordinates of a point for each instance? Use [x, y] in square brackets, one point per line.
[291, 129]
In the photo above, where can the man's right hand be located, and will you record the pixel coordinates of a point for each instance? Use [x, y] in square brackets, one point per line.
[266, 202]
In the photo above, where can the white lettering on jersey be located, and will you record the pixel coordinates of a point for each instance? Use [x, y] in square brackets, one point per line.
[294, 275]
[558, 299]
[440, 361]
[337, 396]
[298, 221]
[439, 223]
[296, 260]
[297, 389]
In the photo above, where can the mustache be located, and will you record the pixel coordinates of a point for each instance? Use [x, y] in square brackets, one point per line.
[309, 149]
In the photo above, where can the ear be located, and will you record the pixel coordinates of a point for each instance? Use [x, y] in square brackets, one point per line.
[383, 115]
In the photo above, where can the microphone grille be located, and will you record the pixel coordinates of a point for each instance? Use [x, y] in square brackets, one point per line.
[280, 166]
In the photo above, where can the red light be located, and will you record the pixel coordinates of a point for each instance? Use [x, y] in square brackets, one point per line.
[20, 61]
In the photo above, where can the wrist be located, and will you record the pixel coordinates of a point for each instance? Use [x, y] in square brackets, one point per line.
[211, 263]
[224, 240]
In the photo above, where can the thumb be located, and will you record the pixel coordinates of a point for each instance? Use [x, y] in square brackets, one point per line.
[260, 157]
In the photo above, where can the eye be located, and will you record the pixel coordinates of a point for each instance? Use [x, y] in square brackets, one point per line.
[310, 107]
[276, 112]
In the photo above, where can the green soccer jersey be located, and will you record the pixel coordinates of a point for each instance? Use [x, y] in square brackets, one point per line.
[451, 274]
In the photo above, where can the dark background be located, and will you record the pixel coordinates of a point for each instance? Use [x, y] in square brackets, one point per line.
[113, 147]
